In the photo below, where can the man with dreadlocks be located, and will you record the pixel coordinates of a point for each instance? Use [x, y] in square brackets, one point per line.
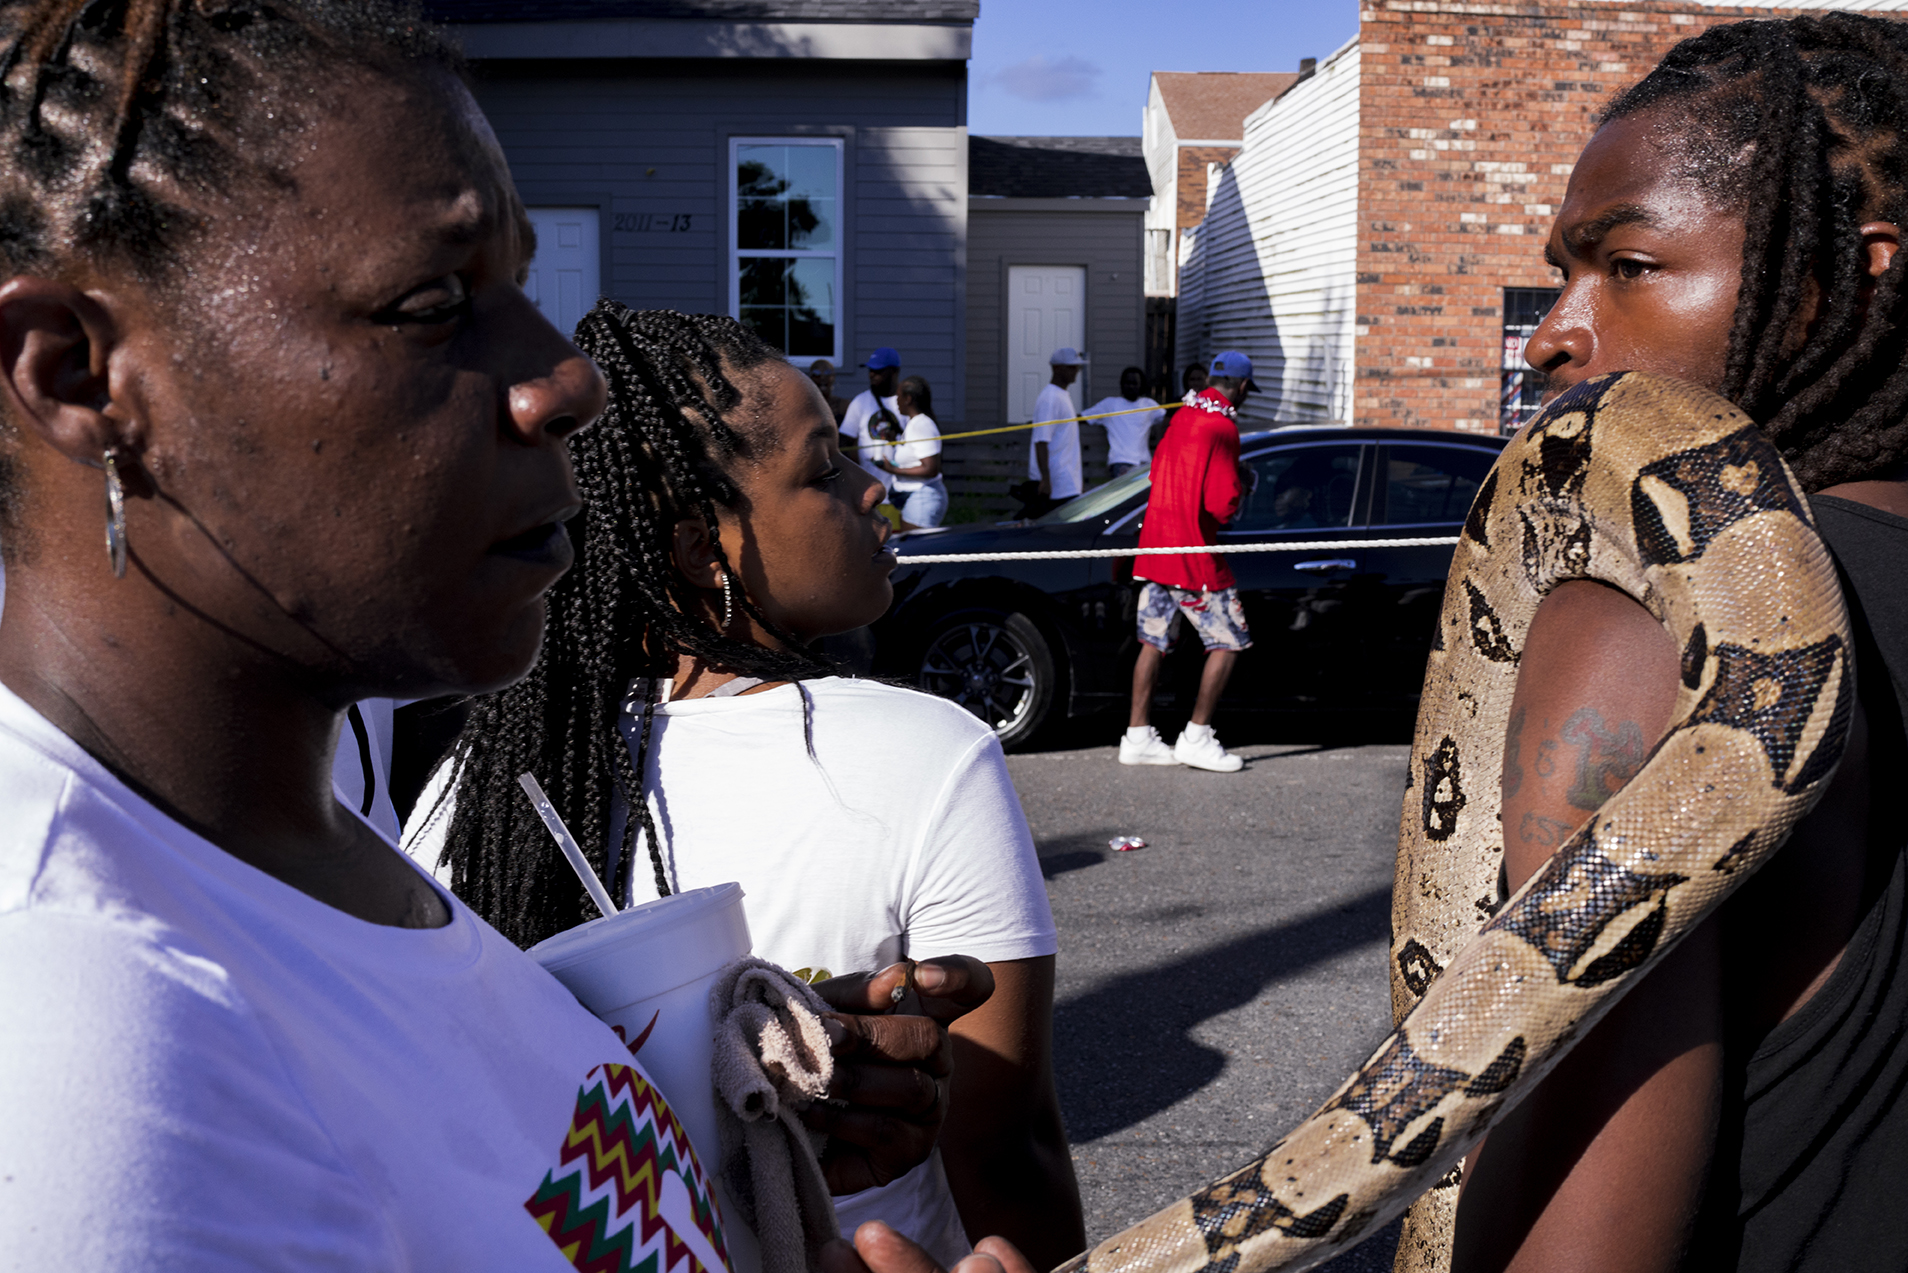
[689, 735]
[1735, 222]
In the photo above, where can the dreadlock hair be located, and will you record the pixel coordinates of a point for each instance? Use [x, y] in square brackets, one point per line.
[125, 125]
[661, 452]
[1802, 125]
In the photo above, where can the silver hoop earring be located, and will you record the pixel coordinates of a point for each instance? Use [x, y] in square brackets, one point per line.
[728, 602]
[115, 514]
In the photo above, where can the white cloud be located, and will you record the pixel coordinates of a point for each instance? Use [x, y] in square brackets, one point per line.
[1044, 79]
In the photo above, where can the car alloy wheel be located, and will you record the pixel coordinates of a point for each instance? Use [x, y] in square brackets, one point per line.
[997, 666]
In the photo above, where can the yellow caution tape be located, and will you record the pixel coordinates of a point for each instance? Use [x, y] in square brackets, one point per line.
[1015, 428]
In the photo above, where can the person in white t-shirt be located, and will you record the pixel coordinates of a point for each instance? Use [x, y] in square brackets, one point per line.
[861, 425]
[1128, 435]
[1053, 458]
[866, 823]
[914, 467]
[239, 1029]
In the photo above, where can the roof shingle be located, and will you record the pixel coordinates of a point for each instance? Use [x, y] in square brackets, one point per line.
[1212, 105]
[1057, 167]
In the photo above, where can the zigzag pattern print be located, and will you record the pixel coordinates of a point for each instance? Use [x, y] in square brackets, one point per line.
[624, 1149]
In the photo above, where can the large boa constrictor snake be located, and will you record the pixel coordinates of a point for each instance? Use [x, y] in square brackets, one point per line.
[1672, 495]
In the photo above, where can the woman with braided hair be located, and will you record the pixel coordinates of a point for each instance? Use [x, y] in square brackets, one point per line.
[262, 323]
[1735, 222]
[690, 736]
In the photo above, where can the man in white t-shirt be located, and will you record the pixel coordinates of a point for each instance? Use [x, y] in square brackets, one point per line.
[1127, 435]
[1054, 458]
[857, 432]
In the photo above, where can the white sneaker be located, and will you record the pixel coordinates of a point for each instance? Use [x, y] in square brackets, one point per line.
[1199, 747]
[1142, 745]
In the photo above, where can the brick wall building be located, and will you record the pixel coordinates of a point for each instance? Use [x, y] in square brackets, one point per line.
[1470, 118]
[1407, 304]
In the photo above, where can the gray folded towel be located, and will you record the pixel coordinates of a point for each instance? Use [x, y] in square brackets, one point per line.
[771, 1063]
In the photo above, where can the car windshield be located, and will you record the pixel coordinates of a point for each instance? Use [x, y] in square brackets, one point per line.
[1101, 500]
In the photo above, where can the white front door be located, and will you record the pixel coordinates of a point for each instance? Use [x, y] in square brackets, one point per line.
[564, 277]
[1046, 306]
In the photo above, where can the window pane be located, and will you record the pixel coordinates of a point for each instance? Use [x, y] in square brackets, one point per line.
[770, 324]
[811, 171]
[1430, 484]
[785, 197]
[811, 300]
[764, 280]
[1303, 488]
[791, 303]
[761, 223]
[761, 171]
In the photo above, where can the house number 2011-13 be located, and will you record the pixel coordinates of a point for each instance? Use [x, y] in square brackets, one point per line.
[651, 222]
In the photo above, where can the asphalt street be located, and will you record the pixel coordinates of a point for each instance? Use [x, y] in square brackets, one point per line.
[1217, 985]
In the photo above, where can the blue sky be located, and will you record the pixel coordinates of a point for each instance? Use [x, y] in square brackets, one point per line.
[1079, 67]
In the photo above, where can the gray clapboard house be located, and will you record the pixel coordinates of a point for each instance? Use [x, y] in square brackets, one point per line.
[1055, 245]
[801, 164]
[805, 166]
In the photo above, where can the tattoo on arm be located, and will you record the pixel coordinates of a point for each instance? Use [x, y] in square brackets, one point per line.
[1513, 744]
[1546, 757]
[1606, 757]
[1544, 832]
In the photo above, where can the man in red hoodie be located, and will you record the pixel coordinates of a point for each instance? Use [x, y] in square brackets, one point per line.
[1196, 489]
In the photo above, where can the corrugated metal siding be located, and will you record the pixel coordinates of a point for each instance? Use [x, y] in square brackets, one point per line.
[577, 132]
[1271, 270]
[1109, 245]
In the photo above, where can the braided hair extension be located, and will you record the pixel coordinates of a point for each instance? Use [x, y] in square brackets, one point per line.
[1802, 125]
[128, 126]
[675, 428]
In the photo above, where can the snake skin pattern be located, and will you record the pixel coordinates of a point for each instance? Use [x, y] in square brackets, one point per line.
[1672, 495]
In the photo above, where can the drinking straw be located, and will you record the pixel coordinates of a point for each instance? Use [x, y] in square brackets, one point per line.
[567, 842]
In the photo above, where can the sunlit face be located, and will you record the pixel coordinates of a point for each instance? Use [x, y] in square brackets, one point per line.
[1651, 269]
[805, 537]
[356, 431]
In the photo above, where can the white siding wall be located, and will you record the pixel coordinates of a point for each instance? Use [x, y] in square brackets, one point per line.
[1271, 270]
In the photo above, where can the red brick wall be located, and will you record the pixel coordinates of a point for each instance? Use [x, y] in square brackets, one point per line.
[1192, 180]
[1470, 116]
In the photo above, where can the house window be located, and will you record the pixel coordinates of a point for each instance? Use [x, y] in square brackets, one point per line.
[786, 242]
[1522, 389]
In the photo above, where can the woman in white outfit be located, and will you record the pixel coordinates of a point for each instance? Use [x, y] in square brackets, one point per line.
[914, 466]
[689, 736]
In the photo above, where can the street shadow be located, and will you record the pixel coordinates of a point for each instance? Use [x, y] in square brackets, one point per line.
[1063, 853]
[1125, 1052]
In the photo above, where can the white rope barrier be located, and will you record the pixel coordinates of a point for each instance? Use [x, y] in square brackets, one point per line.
[1224, 550]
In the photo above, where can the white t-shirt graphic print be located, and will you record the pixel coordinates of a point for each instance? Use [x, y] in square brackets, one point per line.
[857, 423]
[204, 1070]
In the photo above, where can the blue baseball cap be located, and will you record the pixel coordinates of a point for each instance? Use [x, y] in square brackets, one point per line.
[1235, 366]
[886, 356]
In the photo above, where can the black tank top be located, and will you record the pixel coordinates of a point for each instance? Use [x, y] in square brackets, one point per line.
[1811, 1166]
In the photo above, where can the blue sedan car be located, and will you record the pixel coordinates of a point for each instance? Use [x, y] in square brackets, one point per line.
[1345, 626]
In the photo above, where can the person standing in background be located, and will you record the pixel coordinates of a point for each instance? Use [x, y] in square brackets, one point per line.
[1192, 380]
[1127, 435]
[857, 424]
[1197, 486]
[1054, 461]
[915, 465]
[822, 372]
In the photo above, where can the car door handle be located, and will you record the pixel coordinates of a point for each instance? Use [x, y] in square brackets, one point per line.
[1327, 563]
